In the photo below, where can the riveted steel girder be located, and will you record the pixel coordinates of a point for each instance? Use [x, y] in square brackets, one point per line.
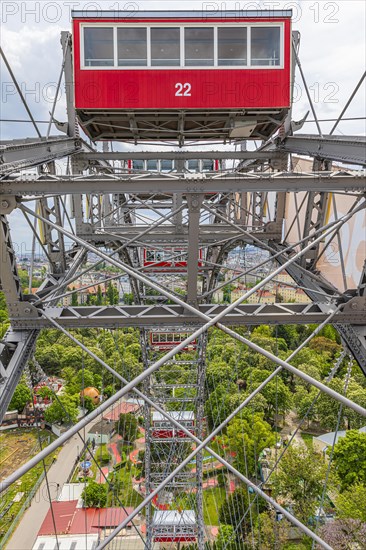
[182, 184]
[348, 149]
[173, 315]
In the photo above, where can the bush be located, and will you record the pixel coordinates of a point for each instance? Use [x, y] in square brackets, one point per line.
[94, 495]
[104, 457]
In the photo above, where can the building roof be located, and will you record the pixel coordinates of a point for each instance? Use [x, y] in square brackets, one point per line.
[66, 542]
[104, 427]
[71, 491]
[121, 408]
[328, 438]
[174, 517]
[71, 520]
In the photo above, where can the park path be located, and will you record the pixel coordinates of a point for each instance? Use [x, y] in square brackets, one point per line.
[25, 534]
[292, 423]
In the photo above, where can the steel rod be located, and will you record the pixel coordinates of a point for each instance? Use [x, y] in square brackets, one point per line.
[20, 92]
[307, 90]
[348, 103]
[267, 247]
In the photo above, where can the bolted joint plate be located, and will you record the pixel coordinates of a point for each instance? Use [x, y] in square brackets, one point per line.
[21, 311]
[356, 305]
[8, 203]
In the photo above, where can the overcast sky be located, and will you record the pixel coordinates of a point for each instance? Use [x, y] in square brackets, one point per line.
[332, 54]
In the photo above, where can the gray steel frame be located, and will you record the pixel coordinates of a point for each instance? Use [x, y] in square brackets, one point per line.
[181, 183]
[28, 318]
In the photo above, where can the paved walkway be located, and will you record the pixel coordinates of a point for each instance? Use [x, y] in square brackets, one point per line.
[292, 423]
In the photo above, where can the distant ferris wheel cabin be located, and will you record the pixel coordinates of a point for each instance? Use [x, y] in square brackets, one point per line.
[182, 75]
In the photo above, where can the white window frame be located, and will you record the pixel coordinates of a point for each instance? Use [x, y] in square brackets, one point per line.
[182, 26]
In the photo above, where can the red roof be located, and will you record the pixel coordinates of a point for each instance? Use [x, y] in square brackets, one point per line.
[78, 521]
[121, 408]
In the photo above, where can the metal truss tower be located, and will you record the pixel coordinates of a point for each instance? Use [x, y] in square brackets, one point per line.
[193, 220]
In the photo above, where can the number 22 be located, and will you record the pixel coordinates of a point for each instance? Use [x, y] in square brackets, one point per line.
[183, 89]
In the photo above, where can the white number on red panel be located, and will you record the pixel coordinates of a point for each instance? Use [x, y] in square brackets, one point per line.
[183, 90]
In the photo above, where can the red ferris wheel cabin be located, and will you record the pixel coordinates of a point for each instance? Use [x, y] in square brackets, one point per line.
[182, 75]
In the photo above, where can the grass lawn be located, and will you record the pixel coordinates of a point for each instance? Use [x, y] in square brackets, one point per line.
[122, 480]
[212, 501]
[308, 439]
[25, 444]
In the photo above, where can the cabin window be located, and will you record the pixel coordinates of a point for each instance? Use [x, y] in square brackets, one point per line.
[166, 165]
[98, 47]
[138, 164]
[165, 47]
[232, 46]
[132, 47]
[152, 165]
[265, 46]
[194, 165]
[222, 46]
[199, 46]
[207, 165]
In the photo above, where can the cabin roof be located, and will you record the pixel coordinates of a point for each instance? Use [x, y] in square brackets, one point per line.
[176, 415]
[181, 14]
[174, 517]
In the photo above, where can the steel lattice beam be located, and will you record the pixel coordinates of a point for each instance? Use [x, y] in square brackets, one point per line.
[153, 316]
[238, 183]
[349, 149]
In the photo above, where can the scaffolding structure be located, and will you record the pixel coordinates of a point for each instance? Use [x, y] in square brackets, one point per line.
[105, 208]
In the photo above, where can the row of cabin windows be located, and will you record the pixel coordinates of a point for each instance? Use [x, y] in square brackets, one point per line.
[171, 338]
[193, 165]
[162, 46]
[177, 530]
[165, 255]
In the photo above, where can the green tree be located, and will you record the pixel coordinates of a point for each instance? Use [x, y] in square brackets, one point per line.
[219, 404]
[94, 495]
[112, 294]
[302, 400]
[49, 356]
[99, 300]
[21, 397]
[108, 391]
[352, 502]
[234, 509]
[226, 539]
[290, 334]
[128, 298]
[247, 436]
[45, 392]
[322, 344]
[270, 532]
[74, 298]
[226, 292]
[87, 403]
[63, 409]
[218, 372]
[300, 479]
[127, 427]
[349, 458]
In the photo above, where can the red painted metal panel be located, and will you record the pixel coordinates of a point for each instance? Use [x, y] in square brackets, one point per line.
[167, 265]
[175, 539]
[212, 88]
